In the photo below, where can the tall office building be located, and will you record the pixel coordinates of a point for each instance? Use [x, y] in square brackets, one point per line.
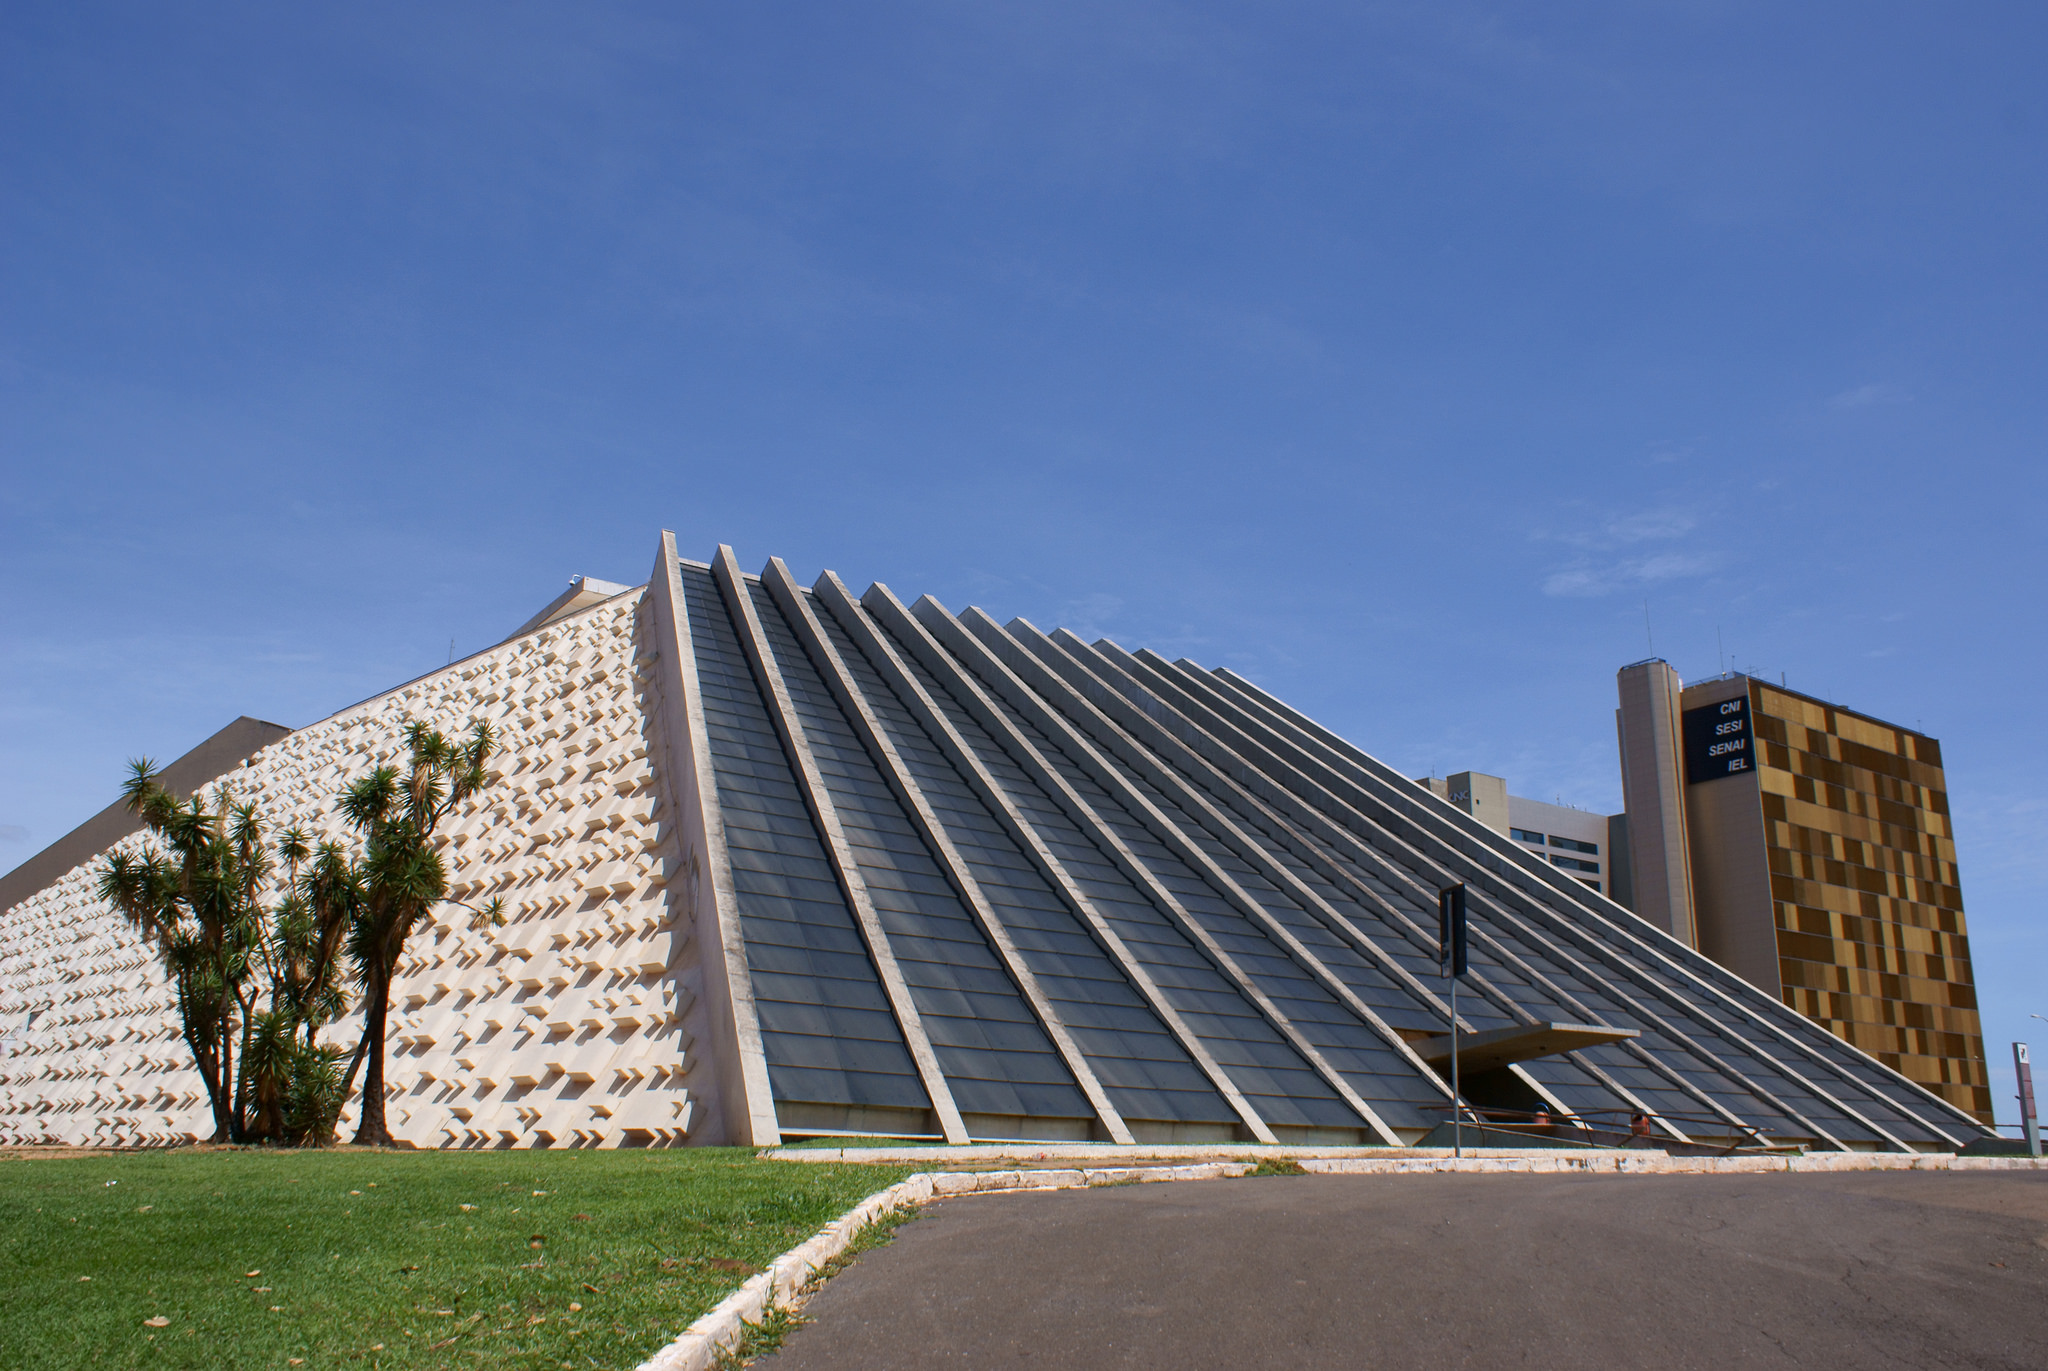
[1807, 848]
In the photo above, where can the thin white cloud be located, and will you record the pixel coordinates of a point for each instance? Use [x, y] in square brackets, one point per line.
[1615, 554]
[1089, 616]
[2004, 848]
[1656, 524]
[1650, 524]
[1864, 396]
[1586, 579]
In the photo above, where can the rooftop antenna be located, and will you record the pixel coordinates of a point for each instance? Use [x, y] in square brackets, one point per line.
[451, 652]
[1720, 653]
[1646, 626]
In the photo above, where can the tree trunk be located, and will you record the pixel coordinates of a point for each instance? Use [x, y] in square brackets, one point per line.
[371, 1132]
[355, 1064]
[202, 1046]
[230, 1088]
[209, 1076]
[245, 1090]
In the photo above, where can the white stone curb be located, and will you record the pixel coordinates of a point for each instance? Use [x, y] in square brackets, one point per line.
[1106, 1153]
[1658, 1164]
[1389, 1160]
[781, 1286]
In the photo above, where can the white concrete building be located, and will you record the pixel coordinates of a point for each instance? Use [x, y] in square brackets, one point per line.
[1592, 848]
[785, 861]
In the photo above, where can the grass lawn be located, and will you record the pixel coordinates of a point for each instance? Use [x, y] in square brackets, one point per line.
[557, 1259]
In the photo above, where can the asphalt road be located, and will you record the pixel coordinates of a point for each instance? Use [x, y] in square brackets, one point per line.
[1389, 1272]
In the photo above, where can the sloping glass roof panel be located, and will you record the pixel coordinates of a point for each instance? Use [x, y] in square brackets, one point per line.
[1145, 1073]
[1188, 872]
[954, 977]
[826, 1025]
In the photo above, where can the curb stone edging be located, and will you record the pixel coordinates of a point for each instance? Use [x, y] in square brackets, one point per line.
[784, 1284]
[1378, 1159]
[1659, 1164]
[719, 1330]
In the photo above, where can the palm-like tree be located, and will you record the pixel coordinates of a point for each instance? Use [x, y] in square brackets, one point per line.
[311, 932]
[200, 904]
[400, 878]
[197, 895]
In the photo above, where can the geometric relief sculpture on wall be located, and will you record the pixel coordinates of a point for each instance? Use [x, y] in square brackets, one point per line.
[569, 1025]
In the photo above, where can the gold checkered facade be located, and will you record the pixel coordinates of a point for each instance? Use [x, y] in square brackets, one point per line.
[1871, 937]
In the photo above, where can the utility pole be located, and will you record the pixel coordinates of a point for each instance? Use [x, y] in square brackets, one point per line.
[1450, 958]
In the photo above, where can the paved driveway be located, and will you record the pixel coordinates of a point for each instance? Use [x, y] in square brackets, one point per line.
[1389, 1272]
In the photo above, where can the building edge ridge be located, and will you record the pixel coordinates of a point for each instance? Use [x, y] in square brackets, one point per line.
[744, 1108]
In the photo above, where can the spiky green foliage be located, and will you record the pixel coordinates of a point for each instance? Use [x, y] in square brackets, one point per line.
[400, 877]
[317, 1092]
[312, 925]
[197, 894]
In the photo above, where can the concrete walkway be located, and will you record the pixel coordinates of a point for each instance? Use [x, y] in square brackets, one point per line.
[1893, 1270]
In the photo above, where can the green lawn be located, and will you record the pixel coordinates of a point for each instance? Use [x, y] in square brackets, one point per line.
[406, 1259]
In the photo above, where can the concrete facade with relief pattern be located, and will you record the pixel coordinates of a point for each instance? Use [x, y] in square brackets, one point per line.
[572, 1024]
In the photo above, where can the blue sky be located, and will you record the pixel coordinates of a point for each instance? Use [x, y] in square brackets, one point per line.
[1402, 357]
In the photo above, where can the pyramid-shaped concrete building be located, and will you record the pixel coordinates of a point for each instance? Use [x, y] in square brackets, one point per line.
[789, 861]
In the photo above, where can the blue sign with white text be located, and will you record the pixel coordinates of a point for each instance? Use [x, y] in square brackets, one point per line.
[1718, 741]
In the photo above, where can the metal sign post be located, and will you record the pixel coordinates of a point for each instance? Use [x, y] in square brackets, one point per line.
[1457, 1099]
[2025, 1072]
[1450, 957]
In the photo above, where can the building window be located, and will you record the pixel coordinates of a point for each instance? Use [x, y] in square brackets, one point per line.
[1574, 845]
[1590, 881]
[1574, 864]
[1526, 836]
